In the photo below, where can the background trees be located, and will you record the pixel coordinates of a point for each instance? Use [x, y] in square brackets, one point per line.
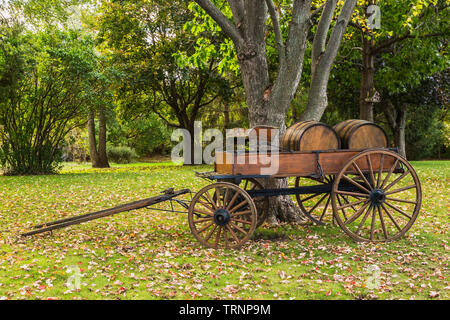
[134, 70]
[146, 39]
[45, 84]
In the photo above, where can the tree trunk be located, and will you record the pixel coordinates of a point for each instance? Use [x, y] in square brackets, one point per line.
[367, 91]
[268, 103]
[396, 116]
[98, 155]
[102, 157]
[92, 139]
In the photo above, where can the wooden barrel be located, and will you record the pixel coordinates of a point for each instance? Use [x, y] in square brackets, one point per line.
[361, 134]
[310, 135]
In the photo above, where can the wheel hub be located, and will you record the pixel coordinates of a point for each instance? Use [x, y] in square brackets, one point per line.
[377, 196]
[221, 217]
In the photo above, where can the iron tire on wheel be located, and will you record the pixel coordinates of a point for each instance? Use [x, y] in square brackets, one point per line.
[222, 215]
[388, 197]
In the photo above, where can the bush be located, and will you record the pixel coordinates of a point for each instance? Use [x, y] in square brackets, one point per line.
[121, 154]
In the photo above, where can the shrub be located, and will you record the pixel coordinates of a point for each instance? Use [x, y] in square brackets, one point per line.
[121, 154]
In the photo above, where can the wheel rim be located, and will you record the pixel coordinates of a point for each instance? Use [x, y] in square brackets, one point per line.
[385, 198]
[317, 206]
[222, 215]
[261, 203]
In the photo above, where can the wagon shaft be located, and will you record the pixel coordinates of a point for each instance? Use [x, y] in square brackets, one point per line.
[58, 224]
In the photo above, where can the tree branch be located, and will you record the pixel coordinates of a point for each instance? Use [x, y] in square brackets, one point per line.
[320, 37]
[339, 30]
[227, 26]
[277, 30]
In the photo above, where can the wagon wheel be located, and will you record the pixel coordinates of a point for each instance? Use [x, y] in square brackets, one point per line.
[384, 196]
[261, 203]
[315, 206]
[222, 215]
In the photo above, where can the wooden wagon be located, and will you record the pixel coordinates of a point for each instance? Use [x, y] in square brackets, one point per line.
[373, 195]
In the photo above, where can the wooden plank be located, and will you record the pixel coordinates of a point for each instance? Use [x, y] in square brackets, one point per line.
[290, 164]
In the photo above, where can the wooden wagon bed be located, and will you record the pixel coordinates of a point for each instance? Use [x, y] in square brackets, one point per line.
[294, 164]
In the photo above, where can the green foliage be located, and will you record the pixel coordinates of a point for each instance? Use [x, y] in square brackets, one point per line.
[146, 135]
[46, 84]
[121, 154]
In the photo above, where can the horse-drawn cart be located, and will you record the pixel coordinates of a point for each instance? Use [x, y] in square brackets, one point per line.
[372, 194]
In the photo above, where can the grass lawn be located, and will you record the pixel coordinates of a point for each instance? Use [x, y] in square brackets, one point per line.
[148, 254]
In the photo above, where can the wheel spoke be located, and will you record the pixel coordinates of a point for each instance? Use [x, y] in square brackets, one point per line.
[239, 205]
[389, 173]
[372, 226]
[349, 204]
[232, 233]
[233, 199]
[211, 233]
[361, 174]
[206, 205]
[203, 212]
[380, 172]
[205, 227]
[310, 197]
[238, 228]
[242, 221]
[355, 183]
[382, 222]
[372, 177]
[218, 235]
[317, 204]
[357, 214]
[241, 213]
[391, 217]
[325, 209]
[363, 220]
[398, 210]
[396, 180]
[355, 194]
[401, 189]
[401, 200]
[214, 204]
[202, 220]
[217, 194]
[340, 204]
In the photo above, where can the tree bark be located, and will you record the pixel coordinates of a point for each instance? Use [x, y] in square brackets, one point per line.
[92, 139]
[323, 55]
[268, 103]
[102, 157]
[367, 90]
[396, 116]
[98, 155]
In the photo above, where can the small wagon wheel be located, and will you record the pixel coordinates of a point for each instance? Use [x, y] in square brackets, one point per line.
[384, 196]
[222, 215]
[261, 203]
[315, 206]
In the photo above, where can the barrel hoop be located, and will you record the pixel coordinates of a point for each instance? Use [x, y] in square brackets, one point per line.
[287, 139]
[295, 128]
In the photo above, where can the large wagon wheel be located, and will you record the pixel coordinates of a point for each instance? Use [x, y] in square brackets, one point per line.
[222, 215]
[315, 206]
[384, 196]
[261, 203]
